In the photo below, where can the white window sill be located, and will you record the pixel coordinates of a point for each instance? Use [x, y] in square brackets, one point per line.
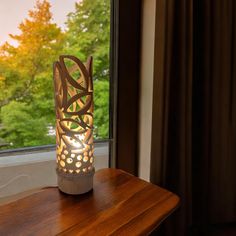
[36, 169]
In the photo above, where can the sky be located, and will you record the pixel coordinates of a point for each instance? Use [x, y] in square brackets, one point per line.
[12, 12]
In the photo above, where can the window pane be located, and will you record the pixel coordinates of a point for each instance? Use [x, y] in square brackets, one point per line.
[32, 36]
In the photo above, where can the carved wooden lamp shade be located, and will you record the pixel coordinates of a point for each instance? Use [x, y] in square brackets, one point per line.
[74, 124]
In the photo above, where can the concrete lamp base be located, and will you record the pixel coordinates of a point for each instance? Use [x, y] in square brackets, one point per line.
[75, 183]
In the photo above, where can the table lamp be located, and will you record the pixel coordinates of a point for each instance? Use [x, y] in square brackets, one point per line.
[74, 124]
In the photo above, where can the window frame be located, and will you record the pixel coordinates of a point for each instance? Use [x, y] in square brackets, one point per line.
[124, 83]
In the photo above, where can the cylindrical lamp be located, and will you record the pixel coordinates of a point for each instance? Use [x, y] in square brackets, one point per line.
[74, 124]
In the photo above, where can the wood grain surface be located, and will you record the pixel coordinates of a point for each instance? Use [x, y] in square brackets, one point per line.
[120, 204]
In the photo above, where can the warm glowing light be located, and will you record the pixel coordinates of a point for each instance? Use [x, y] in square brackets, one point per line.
[74, 115]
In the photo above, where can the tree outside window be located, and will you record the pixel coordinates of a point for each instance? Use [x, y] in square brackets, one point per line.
[27, 115]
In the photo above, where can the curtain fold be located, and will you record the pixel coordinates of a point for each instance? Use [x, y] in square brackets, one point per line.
[193, 149]
[172, 108]
[214, 153]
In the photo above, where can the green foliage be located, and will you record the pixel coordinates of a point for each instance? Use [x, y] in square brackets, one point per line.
[88, 34]
[26, 98]
[101, 108]
[24, 128]
[26, 72]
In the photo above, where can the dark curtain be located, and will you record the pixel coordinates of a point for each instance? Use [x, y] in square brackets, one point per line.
[214, 117]
[194, 104]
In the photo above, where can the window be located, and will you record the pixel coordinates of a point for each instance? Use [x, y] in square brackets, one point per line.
[32, 36]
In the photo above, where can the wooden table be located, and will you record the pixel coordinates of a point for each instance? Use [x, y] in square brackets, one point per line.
[120, 204]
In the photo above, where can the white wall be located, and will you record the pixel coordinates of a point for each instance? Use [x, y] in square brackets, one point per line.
[146, 86]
